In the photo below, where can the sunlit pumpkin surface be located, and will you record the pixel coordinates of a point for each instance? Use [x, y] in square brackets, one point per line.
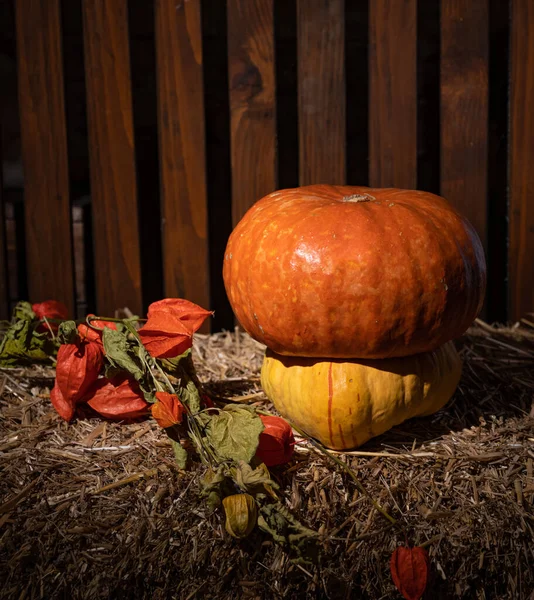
[344, 403]
[339, 271]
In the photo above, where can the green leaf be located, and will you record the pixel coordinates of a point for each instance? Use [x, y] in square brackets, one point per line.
[255, 481]
[22, 345]
[120, 353]
[67, 332]
[234, 433]
[189, 395]
[180, 454]
[300, 541]
[24, 311]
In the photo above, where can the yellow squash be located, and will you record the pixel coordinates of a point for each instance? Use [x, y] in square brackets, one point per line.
[343, 403]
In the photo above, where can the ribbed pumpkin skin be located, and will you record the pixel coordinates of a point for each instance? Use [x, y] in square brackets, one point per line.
[396, 273]
[344, 403]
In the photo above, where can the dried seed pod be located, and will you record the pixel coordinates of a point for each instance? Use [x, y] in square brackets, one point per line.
[409, 571]
[241, 514]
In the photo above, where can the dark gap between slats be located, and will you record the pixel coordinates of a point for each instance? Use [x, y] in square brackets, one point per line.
[144, 99]
[285, 30]
[9, 132]
[428, 96]
[78, 156]
[12, 181]
[219, 189]
[496, 296]
[357, 91]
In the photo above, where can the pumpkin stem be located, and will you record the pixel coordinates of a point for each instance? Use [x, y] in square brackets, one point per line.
[357, 198]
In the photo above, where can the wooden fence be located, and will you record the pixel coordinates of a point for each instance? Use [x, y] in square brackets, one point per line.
[147, 128]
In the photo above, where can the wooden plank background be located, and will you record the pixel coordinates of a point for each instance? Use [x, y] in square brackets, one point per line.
[321, 91]
[44, 152]
[182, 150]
[464, 108]
[393, 94]
[252, 102]
[521, 155]
[219, 141]
[112, 156]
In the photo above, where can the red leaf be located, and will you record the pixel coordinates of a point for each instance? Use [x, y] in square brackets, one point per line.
[78, 366]
[409, 570]
[171, 324]
[65, 408]
[118, 398]
[92, 335]
[168, 411]
[276, 441]
[51, 309]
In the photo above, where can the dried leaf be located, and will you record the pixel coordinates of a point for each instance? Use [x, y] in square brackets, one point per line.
[255, 481]
[183, 369]
[300, 541]
[120, 354]
[21, 344]
[68, 333]
[409, 570]
[23, 311]
[180, 454]
[234, 432]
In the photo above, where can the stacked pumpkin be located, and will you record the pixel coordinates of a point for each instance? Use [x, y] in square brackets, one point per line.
[357, 293]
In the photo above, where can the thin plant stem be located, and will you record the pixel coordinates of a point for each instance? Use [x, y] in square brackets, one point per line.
[320, 448]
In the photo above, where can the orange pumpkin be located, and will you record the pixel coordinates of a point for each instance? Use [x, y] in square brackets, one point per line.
[354, 272]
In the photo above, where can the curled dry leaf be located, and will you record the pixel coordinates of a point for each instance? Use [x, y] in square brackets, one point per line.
[64, 408]
[276, 442]
[409, 570]
[77, 368]
[118, 398]
[167, 410]
[171, 324]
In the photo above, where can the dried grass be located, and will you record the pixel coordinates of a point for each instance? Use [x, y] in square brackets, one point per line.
[99, 510]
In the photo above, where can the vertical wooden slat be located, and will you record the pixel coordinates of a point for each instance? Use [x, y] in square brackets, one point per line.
[252, 102]
[393, 93]
[521, 156]
[112, 156]
[182, 149]
[44, 152]
[464, 108]
[321, 91]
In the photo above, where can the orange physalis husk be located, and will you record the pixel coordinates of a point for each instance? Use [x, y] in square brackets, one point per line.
[64, 408]
[168, 410]
[50, 309]
[118, 398]
[276, 442]
[77, 368]
[171, 324]
[92, 335]
[409, 570]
